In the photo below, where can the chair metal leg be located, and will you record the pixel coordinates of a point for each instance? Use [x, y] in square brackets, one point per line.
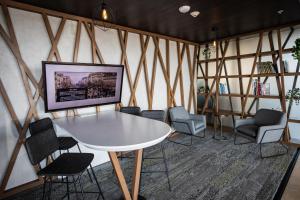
[44, 188]
[68, 190]
[180, 143]
[75, 187]
[50, 188]
[235, 143]
[274, 155]
[166, 165]
[87, 169]
[81, 188]
[98, 185]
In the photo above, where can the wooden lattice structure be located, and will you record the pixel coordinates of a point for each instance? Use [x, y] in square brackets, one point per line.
[33, 95]
[246, 96]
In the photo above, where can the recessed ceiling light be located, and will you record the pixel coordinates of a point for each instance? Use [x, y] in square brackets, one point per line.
[280, 12]
[184, 8]
[195, 13]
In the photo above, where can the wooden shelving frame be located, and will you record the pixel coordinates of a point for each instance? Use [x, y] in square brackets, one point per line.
[245, 95]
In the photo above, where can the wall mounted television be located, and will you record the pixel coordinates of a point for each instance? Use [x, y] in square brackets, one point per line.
[77, 85]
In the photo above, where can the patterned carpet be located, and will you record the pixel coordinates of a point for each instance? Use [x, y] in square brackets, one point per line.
[207, 170]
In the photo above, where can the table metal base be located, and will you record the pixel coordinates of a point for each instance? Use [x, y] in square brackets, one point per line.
[221, 138]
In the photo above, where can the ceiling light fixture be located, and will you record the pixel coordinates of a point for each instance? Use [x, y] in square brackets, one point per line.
[280, 12]
[105, 15]
[184, 8]
[195, 13]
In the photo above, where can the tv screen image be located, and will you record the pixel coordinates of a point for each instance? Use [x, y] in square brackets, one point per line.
[74, 85]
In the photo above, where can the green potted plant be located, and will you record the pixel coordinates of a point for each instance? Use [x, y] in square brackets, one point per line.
[296, 49]
[206, 53]
[293, 95]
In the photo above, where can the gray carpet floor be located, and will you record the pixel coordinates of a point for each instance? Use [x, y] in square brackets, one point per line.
[207, 170]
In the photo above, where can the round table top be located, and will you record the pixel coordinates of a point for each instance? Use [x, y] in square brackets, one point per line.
[114, 131]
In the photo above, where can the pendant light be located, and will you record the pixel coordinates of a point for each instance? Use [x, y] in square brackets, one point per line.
[106, 17]
[104, 12]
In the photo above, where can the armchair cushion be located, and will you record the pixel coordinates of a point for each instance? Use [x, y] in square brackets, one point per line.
[267, 117]
[249, 130]
[241, 122]
[179, 112]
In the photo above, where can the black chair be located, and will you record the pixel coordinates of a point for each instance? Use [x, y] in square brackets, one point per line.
[159, 115]
[64, 143]
[41, 146]
[133, 110]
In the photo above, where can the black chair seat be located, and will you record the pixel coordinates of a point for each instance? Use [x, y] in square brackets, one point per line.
[66, 143]
[68, 164]
[249, 130]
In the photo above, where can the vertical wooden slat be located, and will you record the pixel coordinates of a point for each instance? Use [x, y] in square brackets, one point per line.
[283, 100]
[169, 103]
[238, 53]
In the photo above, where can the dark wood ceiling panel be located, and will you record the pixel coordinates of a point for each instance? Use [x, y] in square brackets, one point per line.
[231, 17]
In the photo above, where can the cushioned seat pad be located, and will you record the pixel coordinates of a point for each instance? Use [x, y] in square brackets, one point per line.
[68, 164]
[249, 130]
[66, 142]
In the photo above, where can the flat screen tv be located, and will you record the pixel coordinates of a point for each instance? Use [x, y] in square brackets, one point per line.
[76, 85]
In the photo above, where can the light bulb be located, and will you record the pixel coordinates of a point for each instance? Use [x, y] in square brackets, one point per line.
[104, 14]
[215, 43]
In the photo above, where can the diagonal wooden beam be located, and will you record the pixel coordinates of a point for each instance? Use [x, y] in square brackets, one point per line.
[266, 78]
[180, 60]
[153, 75]
[10, 107]
[124, 60]
[163, 67]
[95, 49]
[217, 75]
[259, 45]
[143, 55]
[179, 67]
[146, 74]
[13, 45]
[228, 87]
[274, 60]
[54, 40]
[195, 61]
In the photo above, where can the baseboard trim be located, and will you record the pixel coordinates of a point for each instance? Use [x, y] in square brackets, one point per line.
[286, 177]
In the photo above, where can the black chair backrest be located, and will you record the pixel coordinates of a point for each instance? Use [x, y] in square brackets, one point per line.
[154, 114]
[40, 145]
[40, 125]
[267, 117]
[134, 110]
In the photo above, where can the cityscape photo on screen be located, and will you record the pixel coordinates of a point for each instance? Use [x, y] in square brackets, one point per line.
[72, 86]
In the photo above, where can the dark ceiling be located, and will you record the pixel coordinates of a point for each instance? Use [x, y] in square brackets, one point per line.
[231, 17]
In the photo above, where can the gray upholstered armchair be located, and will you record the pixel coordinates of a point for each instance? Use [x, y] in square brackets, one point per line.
[267, 126]
[186, 123]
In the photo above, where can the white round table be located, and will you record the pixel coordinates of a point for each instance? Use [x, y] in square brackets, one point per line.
[113, 132]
